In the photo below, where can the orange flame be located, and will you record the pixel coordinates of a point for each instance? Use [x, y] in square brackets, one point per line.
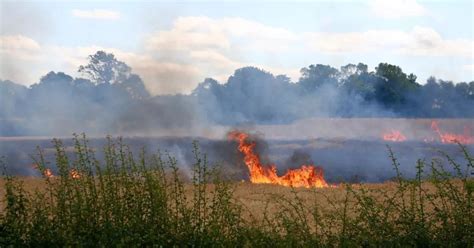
[306, 176]
[394, 135]
[48, 173]
[450, 138]
[74, 174]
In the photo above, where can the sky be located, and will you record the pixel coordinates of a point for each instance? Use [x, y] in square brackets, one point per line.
[174, 45]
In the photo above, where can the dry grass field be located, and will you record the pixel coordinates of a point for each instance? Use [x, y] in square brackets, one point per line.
[260, 199]
[253, 196]
[135, 200]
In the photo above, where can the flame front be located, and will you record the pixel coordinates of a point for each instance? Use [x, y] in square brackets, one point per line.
[449, 138]
[306, 176]
[395, 136]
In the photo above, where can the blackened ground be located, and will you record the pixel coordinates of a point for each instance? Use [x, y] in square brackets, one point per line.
[342, 159]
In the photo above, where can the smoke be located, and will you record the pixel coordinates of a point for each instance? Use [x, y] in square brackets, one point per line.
[111, 99]
[255, 96]
[299, 157]
[332, 117]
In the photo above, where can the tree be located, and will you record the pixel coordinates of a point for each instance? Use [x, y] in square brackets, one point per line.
[314, 76]
[394, 85]
[249, 95]
[11, 97]
[351, 69]
[105, 68]
[356, 80]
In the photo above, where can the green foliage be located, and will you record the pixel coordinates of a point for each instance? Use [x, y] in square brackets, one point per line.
[394, 89]
[105, 68]
[127, 201]
[315, 76]
[141, 200]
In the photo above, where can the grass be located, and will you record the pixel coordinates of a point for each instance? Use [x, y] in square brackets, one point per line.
[143, 200]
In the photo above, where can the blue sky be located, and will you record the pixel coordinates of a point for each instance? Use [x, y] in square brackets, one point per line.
[174, 46]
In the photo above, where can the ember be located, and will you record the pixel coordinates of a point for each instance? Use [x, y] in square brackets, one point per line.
[48, 173]
[394, 135]
[75, 174]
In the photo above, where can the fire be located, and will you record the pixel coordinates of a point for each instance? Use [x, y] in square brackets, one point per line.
[449, 138]
[394, 135]
[48, 173]
[74, 174]
[306, 176]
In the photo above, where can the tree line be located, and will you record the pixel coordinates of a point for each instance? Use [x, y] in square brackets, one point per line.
[109, 97]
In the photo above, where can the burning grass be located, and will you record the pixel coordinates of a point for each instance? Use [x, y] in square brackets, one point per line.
[141, 200]
[452, 138]
[305, 176]
[395, 136]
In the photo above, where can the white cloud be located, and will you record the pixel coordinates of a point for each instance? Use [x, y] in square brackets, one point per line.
[176, 59]
[216, 47]
[427, 42]
[18, 57]
[160, 77]
[18, 45]
[96, 14]
[18, 42]
[367, 41]
[24, 60]
[420, 41]
[397, 8]
[225, 33]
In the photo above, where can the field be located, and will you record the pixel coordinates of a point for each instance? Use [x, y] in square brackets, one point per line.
[260, 199]
[140, 199]
[349, 150]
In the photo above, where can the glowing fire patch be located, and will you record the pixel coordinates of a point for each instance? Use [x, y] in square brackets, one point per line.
[394, 136]
[306, 176]
[48, 173]
[450, 138]
[74, 174]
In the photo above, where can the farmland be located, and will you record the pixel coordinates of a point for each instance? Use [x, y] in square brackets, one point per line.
[135, 199]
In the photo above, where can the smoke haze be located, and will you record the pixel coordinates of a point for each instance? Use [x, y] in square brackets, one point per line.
[331, 117]
[111, 99]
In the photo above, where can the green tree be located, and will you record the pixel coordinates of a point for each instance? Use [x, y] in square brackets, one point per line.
[394, 85]
[105, 68]
[314, 76]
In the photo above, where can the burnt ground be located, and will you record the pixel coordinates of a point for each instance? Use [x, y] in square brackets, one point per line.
[349, 160]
